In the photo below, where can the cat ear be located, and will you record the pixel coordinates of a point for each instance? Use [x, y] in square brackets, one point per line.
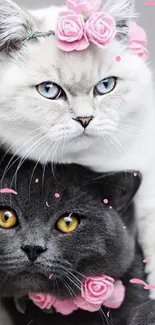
[123, 11]
[15, 25]
[120, 189]
[116, 190]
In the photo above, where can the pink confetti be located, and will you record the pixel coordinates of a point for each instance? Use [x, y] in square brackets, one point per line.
[146, 260]
[51, 276]
[108, 314]
[110, 207]
[37, 180]
[57, 195]
[124, 227]
[123, 100]
[138, 281]
[135, 174]
[105, 201]
[8, 190]
[47, 204]
[118, 58]
[149, 287]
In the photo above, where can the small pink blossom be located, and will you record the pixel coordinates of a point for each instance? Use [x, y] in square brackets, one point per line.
[43, 301]
[70, 32]
[138, 41]
[100, 29]
[65, 307]
[117, 297]
[97, 289]
[86, 7]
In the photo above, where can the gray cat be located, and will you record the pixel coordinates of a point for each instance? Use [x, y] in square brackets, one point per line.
[33, 245]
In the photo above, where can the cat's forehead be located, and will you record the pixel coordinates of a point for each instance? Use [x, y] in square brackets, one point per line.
[79, 69]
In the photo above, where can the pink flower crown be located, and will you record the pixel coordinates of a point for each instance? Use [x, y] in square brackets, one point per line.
[83, 24]
[95, 292]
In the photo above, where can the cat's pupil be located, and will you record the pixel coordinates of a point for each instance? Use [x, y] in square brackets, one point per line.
[106, 83]
[68, 220]
[6, 216]
[47, 88]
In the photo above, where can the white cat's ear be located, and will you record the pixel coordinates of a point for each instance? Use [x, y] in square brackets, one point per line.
[123, 11]
[15, 24]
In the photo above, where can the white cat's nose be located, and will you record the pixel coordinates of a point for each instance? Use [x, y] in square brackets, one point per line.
[84, 121]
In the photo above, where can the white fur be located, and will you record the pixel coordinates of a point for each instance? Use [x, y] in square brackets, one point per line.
[121, 136]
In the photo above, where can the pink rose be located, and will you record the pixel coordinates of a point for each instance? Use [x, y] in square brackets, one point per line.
[86, 7]
[117, 297]
[138, 41]
[65, 307]
[96, 290]
[100, 29]
[70, 32]
[43, 301]
[85, 305]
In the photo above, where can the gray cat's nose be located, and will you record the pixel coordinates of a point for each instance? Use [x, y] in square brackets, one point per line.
[84, 121]
[33, 252]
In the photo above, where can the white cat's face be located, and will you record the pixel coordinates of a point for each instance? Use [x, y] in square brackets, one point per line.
[44, 94]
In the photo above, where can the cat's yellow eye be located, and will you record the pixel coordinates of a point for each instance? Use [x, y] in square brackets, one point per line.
[67, 224]
[8, 219]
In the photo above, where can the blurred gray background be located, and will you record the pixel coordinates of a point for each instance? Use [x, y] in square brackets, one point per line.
[147, 17]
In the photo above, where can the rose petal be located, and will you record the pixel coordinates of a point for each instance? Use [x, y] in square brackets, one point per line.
[8, 190]
[138, 281]
[149, 287]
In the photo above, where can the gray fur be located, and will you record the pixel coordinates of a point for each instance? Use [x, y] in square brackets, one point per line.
[100, 245]
[15, 24]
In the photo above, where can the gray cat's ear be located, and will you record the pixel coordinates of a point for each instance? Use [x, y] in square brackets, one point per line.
[15, 25]
[123, 11]
[120, 188]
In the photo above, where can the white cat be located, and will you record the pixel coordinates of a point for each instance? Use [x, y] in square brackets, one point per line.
[48, 97]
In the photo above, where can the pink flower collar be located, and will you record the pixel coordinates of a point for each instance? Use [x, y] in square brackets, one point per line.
[95, 292]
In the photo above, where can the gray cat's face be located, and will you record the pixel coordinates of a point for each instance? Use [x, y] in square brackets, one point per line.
[69, 236]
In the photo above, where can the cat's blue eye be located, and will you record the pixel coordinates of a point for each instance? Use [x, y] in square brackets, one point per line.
[105, 86]
[50, 90]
